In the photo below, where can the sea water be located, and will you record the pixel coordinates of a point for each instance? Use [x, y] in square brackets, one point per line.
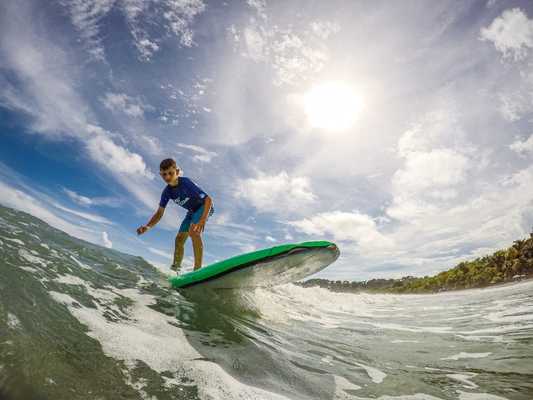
[81, 322]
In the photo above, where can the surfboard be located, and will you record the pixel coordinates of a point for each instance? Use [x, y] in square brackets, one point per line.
[262, 268]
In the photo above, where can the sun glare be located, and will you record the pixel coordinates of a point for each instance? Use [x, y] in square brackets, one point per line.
[332, 106]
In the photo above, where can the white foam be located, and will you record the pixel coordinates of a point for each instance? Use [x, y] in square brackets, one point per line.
[12, 321]
[32, 259]
[342, 384]
[17, 241]
[463, 355]
[70, 280]
[29, 269]
[512, 313]
[464, 379]
[62, 298]
[484, 338]
[416, 396]
[375, 374]
[404, 341]
[82, 265]
[148, 336]
[45, 246]
[478, 396]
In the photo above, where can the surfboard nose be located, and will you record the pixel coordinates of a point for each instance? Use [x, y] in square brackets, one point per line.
[333, 247]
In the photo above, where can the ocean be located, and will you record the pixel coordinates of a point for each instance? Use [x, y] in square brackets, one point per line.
[79, 321]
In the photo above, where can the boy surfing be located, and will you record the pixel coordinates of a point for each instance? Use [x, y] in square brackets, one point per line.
[198, 204]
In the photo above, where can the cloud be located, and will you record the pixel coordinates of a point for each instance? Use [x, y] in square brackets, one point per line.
[344, 226]
[294, 54]
[117, 158]
[180, 15]
[21, 200]
[276, 193]
[161, 253]
[511, 33]
[105, 240]
[430, 172]
[45, 87]
[85, 215]
[437, 160]
[77, 198]
[91, 201]
[120, 102]
[46, 90]
[324, 29]
[86, 16]
[174, 16]
[202, 154]
[523, 147]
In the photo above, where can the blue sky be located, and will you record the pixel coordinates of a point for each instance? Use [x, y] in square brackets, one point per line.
[400, 130]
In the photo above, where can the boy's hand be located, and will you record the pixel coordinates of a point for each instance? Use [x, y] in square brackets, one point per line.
[197, 228]
[142, 229]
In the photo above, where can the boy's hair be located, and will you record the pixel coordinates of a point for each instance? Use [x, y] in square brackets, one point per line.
[167, 163]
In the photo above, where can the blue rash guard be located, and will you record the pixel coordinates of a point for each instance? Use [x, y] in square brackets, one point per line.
[185, 194]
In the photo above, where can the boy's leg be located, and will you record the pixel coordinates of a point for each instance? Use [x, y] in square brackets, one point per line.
[181, 238]
[197, 242]
[179, 249]
[198, 248]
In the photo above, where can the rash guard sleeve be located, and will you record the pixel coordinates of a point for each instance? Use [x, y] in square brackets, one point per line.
[194, 189]
[164, 199]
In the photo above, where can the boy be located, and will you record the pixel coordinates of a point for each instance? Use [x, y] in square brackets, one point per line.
[199, 208]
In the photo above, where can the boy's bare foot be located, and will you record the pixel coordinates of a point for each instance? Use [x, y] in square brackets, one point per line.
[175, 267]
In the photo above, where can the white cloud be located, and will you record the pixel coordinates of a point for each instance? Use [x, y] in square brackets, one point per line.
[175, 16]
[91, 201]
[47, 91]
[161, 253]
[516, 104]
[85, 215]
[77, 198]
[523, 147]
[121, 102]
[202, 154]
[430, 171]
[21, 200]
[105, 240]
[86, 16]
[344, 226]
[180, 15]
[276, 193]
[437, 161]
[269, 238]
[117, 158]
[294, 54]
[511, 33]
[151, 144]
[324, 29]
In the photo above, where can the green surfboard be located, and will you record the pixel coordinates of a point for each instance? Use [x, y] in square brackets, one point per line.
[262, 268]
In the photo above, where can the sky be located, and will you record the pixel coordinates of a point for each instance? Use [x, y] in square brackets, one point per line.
[400, 130]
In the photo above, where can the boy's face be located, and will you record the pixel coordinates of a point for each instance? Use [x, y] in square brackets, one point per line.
[169, 175]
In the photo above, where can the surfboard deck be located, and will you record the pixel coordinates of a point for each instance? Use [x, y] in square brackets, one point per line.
[267, 267]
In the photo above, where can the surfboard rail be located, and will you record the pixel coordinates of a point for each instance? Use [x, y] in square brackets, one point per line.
[232, 264]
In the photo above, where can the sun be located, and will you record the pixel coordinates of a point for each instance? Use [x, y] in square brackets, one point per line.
[332, 106]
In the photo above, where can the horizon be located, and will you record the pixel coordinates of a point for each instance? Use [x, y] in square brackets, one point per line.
[402, 132]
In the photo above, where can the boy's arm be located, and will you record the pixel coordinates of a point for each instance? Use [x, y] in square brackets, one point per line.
[207, 207]
[199, 227]
[153, 221]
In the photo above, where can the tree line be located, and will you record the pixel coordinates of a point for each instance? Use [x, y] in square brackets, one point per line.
[511, 264]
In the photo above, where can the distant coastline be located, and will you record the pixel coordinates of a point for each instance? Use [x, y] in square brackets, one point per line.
[510, 265]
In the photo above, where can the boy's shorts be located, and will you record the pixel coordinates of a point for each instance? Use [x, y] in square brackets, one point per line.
[194, 217]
